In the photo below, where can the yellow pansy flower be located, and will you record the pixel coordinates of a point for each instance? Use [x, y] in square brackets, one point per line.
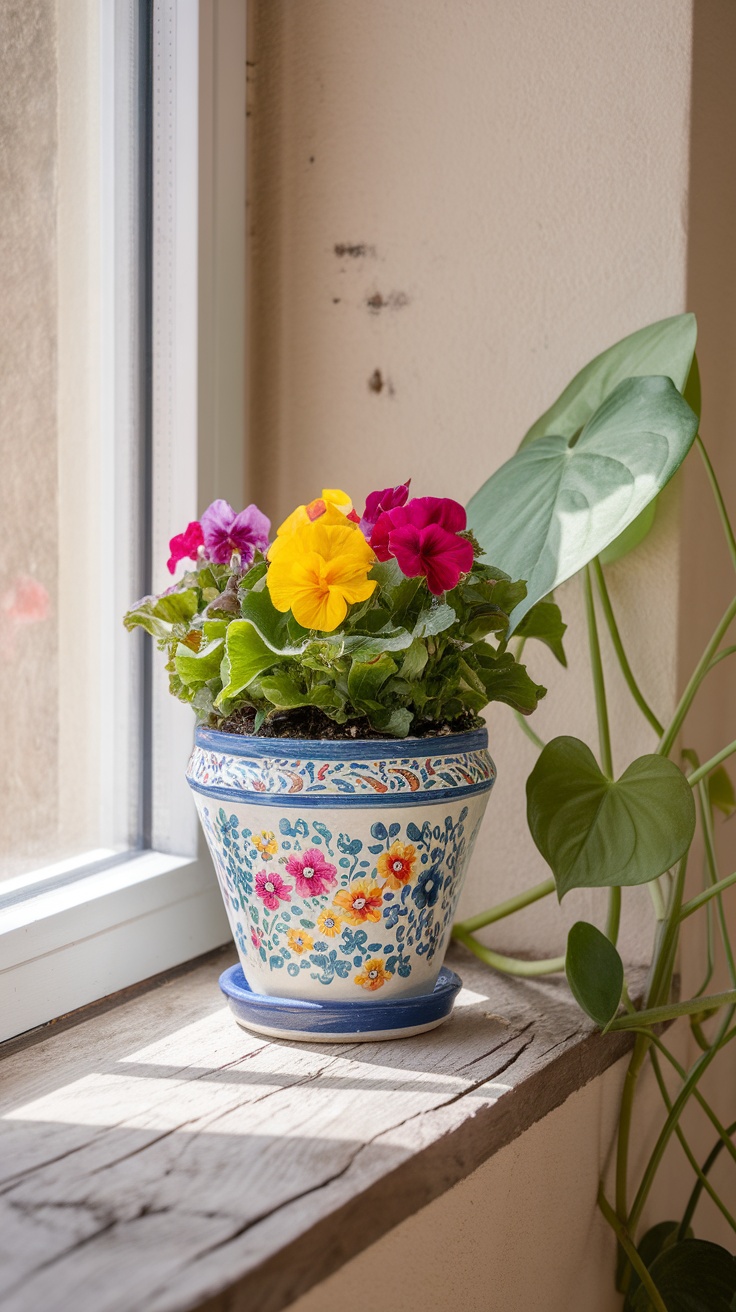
[333, 497]
[329, 924]
[373, 975]
[319, 569]
[299, 940]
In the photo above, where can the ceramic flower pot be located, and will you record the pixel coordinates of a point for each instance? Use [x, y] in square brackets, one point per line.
[341, 863]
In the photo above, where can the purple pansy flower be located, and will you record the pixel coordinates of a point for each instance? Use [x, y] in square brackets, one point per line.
[185, 545]
[312, 875]
[378, 502]
[225, 532]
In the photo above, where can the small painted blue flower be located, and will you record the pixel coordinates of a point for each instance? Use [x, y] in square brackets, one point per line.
[427, 888]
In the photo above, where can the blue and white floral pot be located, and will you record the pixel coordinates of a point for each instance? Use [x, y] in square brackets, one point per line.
[341, 863]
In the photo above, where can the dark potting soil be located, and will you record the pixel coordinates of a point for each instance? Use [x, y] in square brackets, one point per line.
[310, 722]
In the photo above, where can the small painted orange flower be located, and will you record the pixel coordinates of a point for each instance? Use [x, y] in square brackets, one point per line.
[329, 924]
[396, 865]
[373, 975]
[299, 940]
[360, 902]
[266, 844]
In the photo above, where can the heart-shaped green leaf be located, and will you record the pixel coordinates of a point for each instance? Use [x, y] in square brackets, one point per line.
[666, 348]
[691, 1276]
[596, 832]
[554, 506]
[594, 972]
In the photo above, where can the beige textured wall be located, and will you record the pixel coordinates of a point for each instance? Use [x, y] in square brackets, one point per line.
[512, 180]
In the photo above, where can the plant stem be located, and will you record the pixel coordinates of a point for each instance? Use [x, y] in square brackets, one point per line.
[596, 664]
[643, 1020]
[718, 496]
[629, 1248]
[714, 761]
[706, 813]
[721, 656]
[527, 728]
[510, 965]
[674, 1063]
[702, 899]
[696, 1073]
[618, 647]
[694, 682]
[702, 1183]
[503, 909]
[613, 919]
[638, 1057]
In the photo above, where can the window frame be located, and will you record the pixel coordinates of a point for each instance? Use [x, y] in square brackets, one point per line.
[80, 930]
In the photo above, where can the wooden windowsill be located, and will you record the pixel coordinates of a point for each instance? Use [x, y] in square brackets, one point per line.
[157, 1156]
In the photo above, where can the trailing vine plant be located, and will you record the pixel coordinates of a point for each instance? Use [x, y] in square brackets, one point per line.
[584, 483]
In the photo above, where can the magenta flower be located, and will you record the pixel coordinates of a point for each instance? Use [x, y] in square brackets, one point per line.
[312, 875]
[378, 502]
[185, 545]
[272, 889]
[226, 532]
[423, 537]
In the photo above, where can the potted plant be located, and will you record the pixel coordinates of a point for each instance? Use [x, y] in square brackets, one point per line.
[340, 766]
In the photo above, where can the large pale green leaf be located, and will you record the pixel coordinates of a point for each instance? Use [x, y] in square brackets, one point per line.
[157, 614]
[666, 348]
[246, 655]
[197, 667]
[596, 832]
[693, 1275]
[366, 678]
[275, 627]
[554, 506]
[594, 972]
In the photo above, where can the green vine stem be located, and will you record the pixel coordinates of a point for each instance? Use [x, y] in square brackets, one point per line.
[702, 1183]
[644, 1020]
[503, 909]
[509, 965]
[618, 647]
[701, 669]
[718, 498]
[698, 1096]
[630, 1250]
[703, 898]
[613, 920]
[712, 764]
[527, 729]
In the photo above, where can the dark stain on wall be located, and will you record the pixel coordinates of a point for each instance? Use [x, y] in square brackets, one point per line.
[394, 301]
[354, 251]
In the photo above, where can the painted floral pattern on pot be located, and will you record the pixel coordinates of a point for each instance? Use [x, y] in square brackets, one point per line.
[345, 902]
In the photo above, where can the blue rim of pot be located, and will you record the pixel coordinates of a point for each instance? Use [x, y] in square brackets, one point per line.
[358, 749]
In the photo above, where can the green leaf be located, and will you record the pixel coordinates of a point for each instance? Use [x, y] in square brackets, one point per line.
[364, 647]
[596, 832]
[720, 789]
[197, 667]
[273, 625]
[631, 536]
[246, 655]
[434, 619]
[544, 622]
[285, 694]
[660, 1236]
[553, 506]
[366, 678]
[665, 348]
[594, 972]
[395, 724]
[157, 614]
[414, 661]
[505, 680]
[693, 1275]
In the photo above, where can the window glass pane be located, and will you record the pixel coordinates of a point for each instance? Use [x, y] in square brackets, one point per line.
[69, 424]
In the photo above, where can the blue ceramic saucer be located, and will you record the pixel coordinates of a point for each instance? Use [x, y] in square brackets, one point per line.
[339, 1022]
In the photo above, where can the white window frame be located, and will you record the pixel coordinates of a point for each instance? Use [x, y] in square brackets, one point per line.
[81, 930]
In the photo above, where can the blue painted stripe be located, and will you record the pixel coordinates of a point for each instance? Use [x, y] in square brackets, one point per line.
[378, 749]
[331, 801]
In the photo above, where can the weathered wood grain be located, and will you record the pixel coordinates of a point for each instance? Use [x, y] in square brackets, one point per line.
[158, 1157]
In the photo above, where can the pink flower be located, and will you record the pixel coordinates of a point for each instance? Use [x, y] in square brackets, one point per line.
[256, 936]
[225, 532]
[423, 536]
[378, 502]
[185, 545]
[311, 873]
[272, 889]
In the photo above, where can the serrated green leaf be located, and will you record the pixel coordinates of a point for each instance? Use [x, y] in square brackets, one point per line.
[553, 507]
[197, 667]
[157, 614]
[596, 832]
[285, 694]
[366, 678]
[246, 655]
[594, 972]
[545, 623]
[434, 619]
[505, 680]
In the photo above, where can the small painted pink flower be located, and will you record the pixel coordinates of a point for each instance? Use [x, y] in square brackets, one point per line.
[312, 875]
[255, 937]
[185, 545]
[378, 502]
[423, 537]
[225, 532]
[272, 889]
